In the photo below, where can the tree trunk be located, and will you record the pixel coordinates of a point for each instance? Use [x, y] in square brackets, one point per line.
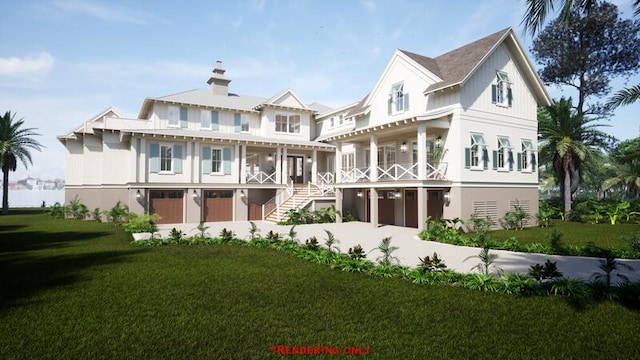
[5, 191]
[567, 192]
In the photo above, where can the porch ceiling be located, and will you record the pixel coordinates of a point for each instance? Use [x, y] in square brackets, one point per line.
[395, 129]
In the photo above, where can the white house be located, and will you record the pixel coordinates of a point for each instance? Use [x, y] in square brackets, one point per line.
[447, 136]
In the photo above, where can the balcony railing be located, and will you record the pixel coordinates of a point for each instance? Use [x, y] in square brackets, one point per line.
[394, 172]
[261, 177]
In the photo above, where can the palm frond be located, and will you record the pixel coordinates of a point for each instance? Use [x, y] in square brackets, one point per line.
[625, 96]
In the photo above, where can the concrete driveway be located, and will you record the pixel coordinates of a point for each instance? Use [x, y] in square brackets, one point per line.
[410, 247]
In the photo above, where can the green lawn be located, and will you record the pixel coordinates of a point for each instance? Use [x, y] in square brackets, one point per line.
[71, 289]
[603, 235]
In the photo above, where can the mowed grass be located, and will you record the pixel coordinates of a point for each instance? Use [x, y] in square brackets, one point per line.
[603, 235]
[71, 289]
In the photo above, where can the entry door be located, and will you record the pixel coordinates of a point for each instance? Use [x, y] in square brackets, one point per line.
[435, 204]
[296, 169]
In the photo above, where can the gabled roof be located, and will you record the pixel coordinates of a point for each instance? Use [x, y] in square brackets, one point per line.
[274, 101]
[108, 112]
[455, 66]
[360, 107]
[321, 109]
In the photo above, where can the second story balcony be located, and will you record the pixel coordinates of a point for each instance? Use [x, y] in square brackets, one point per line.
[390, 172]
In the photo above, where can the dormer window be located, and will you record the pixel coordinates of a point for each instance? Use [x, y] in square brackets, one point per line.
[398, 99]
[501, 93]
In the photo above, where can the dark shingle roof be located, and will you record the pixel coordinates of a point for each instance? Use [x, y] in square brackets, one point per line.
[359, 108]
[453, 67]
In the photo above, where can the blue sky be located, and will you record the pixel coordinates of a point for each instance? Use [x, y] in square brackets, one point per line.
[64, 61]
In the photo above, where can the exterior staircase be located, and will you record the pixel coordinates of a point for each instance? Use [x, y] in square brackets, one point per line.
[302, 197]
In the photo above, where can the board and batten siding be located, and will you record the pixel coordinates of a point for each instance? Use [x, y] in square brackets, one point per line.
[227, 119]
[74, 162]
[116, 159]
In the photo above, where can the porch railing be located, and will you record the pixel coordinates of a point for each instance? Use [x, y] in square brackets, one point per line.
[274, 203]
[261, 177]
[395, 172]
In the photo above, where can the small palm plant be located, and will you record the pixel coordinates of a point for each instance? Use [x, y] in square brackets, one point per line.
[357, 253]
[611, 267]
[226, 235]
[387, 250]
[253, 230]
[202, 229]
[487, 262]
[293, 234]
[430, 264]
[331, 241]
[312, 244]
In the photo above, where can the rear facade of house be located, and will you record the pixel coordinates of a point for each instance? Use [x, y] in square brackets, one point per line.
[444, 137]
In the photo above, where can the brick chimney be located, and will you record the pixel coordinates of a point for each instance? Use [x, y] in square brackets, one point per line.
[219, 84]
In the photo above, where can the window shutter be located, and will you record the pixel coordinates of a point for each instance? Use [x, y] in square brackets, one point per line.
[405, 96]
[509, 96]
[177, 159]
[519, 162]
[534, 165]
[485, 158]
[389, 104]
[154, 158]
[510, 160]
[494, 90]
[183, 117]
[226, 160]
[206, 160]
[215, 121]
[467, 157]
[237, 122]
[495, 160]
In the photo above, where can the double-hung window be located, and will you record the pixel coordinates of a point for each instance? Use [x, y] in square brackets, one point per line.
[503, 157]
[216, 161]
[244, 123]
[348, 161]
[501, 93]
[166, 156]
[476, 157]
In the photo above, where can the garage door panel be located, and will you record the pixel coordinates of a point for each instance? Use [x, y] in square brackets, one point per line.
[218, 205]
[168, 205]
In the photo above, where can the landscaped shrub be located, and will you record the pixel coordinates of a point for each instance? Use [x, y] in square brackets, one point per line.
[141, 223]
[387, 250]
[518, 284]
[634, 242]
[273, 237]
[97, 215]
[481, 282]
[118, 213]
[330, 242]
[610, 267]
[555, 241]
[487, 262]
[434, 263]
[312, 244]
[515, 219]
[57, 211]
[226, 235]
[253, 230]
[442, 230]
[512, 244]
[202, 229]
[548, 271]
[357, 253]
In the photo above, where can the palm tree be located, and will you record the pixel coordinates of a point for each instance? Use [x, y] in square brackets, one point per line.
[568, 140]
[15, 143]
[627, 175]
[625, 96]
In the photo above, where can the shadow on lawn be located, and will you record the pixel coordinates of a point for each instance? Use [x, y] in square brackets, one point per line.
[32, 262]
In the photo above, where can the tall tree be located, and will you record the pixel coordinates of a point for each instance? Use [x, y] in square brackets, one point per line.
[586, 50]
[567, 140]
[15, 144]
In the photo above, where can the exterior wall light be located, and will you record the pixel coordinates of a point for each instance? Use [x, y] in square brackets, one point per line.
[309, 160]
[403, 147]
[447, 197]
[359, 194]
[242, 194]
[438, 142]
[269, 157]
[397, 195]
[195, 194]
[138, 194]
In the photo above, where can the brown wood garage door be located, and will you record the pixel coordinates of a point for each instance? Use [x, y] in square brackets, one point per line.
[168, 204]
[255, 212]
[218, 205]
[386, 207]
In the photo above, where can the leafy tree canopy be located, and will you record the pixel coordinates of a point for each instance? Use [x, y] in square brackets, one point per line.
[587, 49]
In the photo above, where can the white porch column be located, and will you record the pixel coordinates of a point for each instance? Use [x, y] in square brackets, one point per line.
[143, 173]
[373, 158]
[285, 166]
[278, 163]
[339, 163]
[314, 167]
[243, 164]
[338, 206]
[373, 207]
[422, 155]
[135, 159]
[236, 162]
[422, 208]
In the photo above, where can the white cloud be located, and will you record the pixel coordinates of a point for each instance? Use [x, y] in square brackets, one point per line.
[103, 12]
[37, 64]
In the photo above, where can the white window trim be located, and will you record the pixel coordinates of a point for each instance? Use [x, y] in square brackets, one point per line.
[477, 139]
[288, 124]
[166, 172]
[529, 151]
[205, 114]
[397, 88]
[221, 172]
[245, 120]
[176, 117]
[504, 146]
[503, 83]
